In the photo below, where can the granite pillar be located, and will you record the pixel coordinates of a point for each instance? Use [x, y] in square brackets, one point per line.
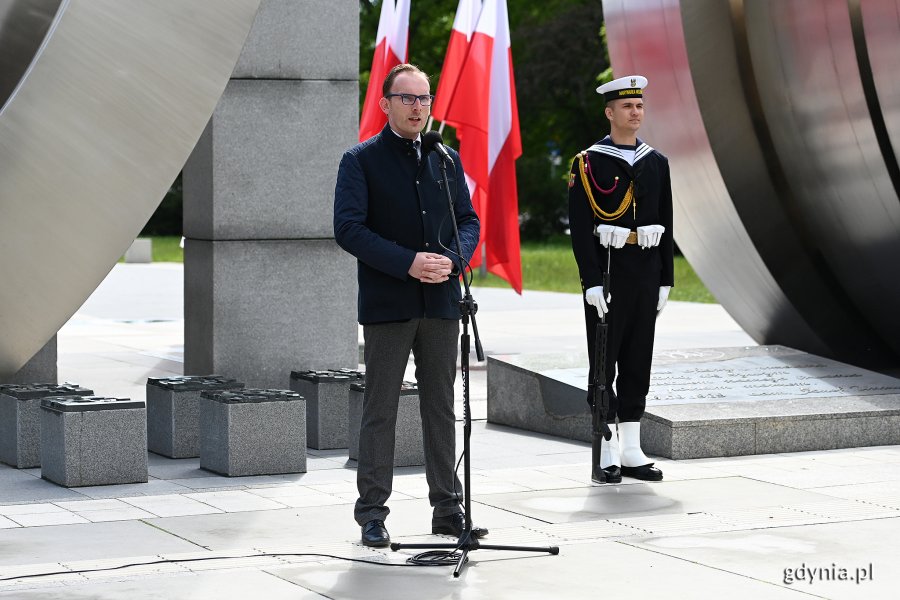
[267, 290]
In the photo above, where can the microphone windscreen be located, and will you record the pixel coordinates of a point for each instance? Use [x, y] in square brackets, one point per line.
[429, 139]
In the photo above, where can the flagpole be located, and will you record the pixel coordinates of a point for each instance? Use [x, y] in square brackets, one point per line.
[482, 270]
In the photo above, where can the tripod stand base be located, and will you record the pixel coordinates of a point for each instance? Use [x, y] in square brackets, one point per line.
[467, 543]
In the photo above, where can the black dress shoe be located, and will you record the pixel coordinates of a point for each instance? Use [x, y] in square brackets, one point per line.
[374, 534]
[454, 525]
[613, 474]
[644, 472]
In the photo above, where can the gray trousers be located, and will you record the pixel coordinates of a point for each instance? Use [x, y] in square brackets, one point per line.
[387, 346]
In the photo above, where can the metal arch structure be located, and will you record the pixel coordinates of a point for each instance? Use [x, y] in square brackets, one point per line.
[781, 120]
[101, 102]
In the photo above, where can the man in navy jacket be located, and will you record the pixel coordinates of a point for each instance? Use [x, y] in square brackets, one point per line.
[391, 213]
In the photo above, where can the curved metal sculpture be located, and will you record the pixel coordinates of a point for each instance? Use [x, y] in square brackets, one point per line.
[782, 123]
[102, 101]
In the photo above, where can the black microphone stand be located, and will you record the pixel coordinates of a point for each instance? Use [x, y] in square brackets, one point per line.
[467, 307]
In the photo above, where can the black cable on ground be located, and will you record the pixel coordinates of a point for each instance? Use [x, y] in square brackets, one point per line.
[425, 563]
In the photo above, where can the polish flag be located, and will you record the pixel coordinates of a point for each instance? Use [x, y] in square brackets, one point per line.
[460, 36]
[391, 43]
[488, 128]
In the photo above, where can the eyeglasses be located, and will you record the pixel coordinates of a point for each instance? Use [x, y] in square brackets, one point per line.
[410, 99]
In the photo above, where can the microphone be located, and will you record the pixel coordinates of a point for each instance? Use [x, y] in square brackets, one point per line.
[432, 140]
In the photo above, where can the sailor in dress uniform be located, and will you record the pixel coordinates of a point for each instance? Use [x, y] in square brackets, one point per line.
[620, 202]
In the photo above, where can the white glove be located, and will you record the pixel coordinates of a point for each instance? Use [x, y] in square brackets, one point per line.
[594, 297]
[610, 234]
[649, 235]
[619, 236]
[663, 297]
[604, 232]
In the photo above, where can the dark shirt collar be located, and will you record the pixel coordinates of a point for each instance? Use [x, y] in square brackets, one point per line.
[404, 143]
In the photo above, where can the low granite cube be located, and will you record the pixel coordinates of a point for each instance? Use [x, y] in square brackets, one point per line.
[409, 450]
[253, 432]
[20, 420]
[353, 374]
[89, 440]
[173, 412]
[326, 395]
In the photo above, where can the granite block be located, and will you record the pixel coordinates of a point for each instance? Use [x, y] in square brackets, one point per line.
[87, 440]
[409, 449]
[254, 308]
[20, 420]
[266, 165]
[173, 412]
[326, 394]
[253, 432]
[287, 41]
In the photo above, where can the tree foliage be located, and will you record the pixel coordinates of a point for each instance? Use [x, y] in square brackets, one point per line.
[559, 58]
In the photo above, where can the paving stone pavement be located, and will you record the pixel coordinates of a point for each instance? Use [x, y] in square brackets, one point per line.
[809, 524]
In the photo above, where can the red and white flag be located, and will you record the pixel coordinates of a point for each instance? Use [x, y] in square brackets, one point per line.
[460, 37]
[400, 34]
[488, 128]
[391, 43]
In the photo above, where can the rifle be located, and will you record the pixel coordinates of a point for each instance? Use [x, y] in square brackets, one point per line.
[600, 408]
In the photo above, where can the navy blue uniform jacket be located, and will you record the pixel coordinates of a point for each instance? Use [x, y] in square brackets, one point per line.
[387, 207]
[653, 194]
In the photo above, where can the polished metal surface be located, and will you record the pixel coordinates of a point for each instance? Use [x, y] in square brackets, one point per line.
[113, 98]
[880, 26]
[782, 161]
[23, 27]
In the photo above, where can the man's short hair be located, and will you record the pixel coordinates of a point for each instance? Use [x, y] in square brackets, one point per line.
[401, 68]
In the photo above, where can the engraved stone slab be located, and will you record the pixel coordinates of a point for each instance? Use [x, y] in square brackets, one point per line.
[712, 402]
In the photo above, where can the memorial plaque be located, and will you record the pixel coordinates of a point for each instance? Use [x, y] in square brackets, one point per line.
[712, 402]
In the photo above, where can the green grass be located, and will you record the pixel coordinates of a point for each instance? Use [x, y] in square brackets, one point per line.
[551, 267]
[548, 267]
[167, 249]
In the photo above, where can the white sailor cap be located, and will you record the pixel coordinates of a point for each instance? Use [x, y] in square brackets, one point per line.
[623, 87]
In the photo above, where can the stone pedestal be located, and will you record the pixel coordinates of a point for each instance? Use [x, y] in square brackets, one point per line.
[326, 394]
[20, 420]
[253, 432]
[409, 450]
[173, 412]
[88, 440]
